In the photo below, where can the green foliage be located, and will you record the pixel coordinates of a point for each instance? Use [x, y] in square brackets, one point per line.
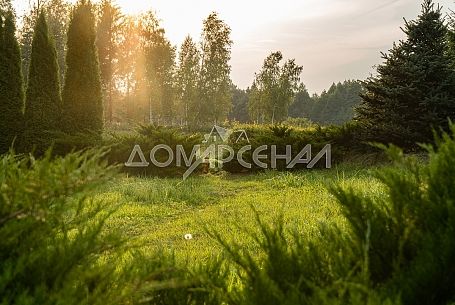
[54, 248]
[214, 101]
[298, 122]
[187, 80]
[65, 143]
[333, 107]
[159, 68]
[281, 131]
[108, 32]
[6, 6]
[411, 229]
[295, 268]
[43, 105]
[414, 90]
[303, 103]
[57, 16]
[147, 137]
[82, 98]
[274, 89]
[11, 83]
[239, 111]
[346, 143]
[396, 247]
[49, 242]
[337, 105]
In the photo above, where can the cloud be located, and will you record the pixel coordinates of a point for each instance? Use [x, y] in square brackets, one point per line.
[342, 42]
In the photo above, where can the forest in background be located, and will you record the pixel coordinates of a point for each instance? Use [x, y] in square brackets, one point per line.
[136, 59]
[87, 68]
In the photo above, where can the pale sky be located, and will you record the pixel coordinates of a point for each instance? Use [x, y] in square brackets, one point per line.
[333, 39]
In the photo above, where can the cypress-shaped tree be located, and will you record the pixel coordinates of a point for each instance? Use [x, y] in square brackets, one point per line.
[11, 83]
[43, 102]
[82, 97]
[414, 90]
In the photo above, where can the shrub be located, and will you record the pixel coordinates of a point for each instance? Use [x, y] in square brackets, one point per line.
[43, 104]
[298, 122]
[394, 249]
[345, 142]
[49, 242]
[411, 242]
[147, 137]
[53, 249]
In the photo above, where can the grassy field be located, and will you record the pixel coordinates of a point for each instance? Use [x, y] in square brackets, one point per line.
[156, 213]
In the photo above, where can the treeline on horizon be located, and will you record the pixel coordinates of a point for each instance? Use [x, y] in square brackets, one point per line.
[334, 106]
[118, 68]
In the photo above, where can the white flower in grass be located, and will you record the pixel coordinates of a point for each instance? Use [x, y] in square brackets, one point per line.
[188, 236]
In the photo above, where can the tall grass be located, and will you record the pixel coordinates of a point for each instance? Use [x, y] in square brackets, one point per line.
[396, 249]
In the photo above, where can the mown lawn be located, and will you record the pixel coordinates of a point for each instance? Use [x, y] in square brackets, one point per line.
[155, 213]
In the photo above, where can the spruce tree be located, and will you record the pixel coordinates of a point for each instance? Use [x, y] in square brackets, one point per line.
[43, 101]
[414, 90]
[11, 83]
[82, 97]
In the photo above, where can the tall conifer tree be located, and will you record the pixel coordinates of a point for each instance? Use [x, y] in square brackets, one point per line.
[415, 87]
[43, 102]
[11, 82]
[82, 97]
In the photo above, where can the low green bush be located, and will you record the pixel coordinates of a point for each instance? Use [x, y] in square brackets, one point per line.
[298, 122]
[147, 137]
[345, 144]
[54, 250]
[344, 140]
[395, 249]
[49, 240]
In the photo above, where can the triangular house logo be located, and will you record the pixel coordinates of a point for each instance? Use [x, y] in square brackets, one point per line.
[218, 134]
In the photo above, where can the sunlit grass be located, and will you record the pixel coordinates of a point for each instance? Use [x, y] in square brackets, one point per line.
[157, 213]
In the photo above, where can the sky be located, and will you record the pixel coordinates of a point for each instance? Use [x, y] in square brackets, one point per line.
[333, 40]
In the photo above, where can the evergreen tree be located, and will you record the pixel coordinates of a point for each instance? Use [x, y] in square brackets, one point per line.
[415, 87]
[302, 105]
[57, 17]
[43, 102]
[82, 97]
[336, 106]
[11, 82]
[239, 111]
[255, 104]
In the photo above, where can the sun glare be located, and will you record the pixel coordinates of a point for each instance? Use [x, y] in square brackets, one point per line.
[134, 7]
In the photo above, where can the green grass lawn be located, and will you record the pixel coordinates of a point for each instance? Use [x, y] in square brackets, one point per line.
[155, 213]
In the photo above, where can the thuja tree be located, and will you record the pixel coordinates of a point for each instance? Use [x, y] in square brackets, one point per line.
[415, 86]
[11, 84]
[43, 101]
[82, 97]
